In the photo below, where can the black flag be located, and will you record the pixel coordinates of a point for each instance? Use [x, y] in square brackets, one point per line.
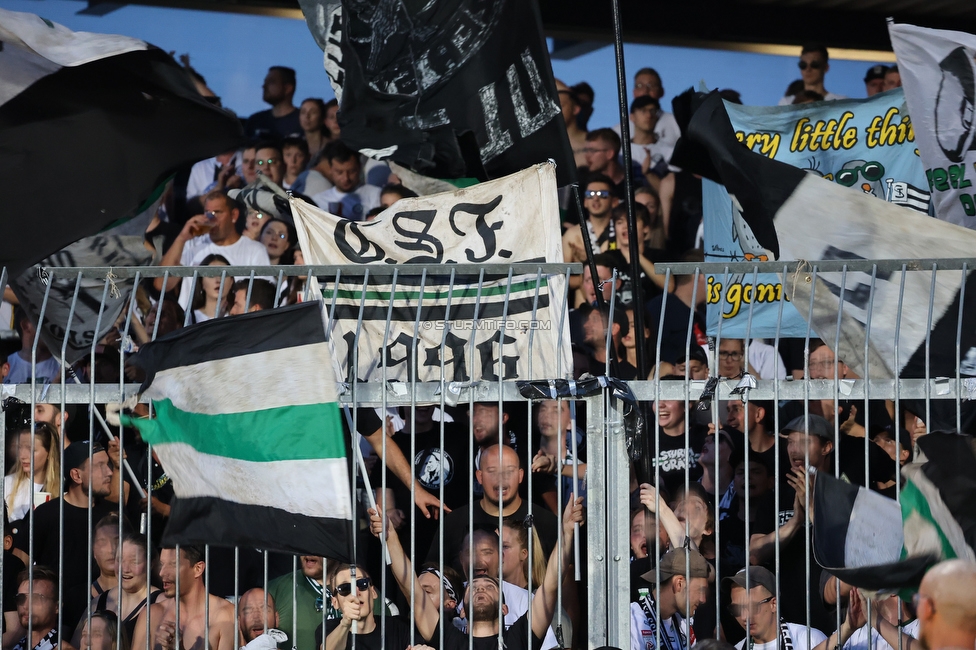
[448, 88]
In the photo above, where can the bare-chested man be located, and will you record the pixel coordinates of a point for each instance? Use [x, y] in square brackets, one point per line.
[193, 602]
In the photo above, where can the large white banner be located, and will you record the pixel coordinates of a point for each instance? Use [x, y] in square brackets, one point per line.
[490, 331]
[938, 71]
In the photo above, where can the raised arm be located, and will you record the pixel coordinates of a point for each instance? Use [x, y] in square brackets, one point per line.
[544, 601]
[676, 532]
[426, 616]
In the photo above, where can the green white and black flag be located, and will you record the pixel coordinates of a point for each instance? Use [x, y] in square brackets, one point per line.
[247, 424]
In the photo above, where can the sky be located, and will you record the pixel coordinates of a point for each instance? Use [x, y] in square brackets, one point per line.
[234, 51]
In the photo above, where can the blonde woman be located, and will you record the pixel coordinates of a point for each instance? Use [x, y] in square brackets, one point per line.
[515, 556]
[47, 469]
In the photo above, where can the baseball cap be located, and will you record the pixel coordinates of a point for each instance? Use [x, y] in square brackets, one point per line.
[758, 577]
[76, 454]
[682, 561]
[875, 72]
[814, 425]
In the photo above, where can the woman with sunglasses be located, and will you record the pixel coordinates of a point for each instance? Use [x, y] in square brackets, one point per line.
[278, 237]
[45, 446]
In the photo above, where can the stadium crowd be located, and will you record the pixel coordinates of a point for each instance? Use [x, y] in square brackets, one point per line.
[99, 570]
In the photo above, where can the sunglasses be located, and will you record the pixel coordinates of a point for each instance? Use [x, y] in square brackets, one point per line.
[870, 171]
[739, 610]
[21, 599]
[346, 588]
[816, 65]
[592, 194]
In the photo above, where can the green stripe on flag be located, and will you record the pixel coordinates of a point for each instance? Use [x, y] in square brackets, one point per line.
[470, 292]
[288, 433]
[915, 505]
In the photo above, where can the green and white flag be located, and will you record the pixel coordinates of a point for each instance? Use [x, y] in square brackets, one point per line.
[247, 424]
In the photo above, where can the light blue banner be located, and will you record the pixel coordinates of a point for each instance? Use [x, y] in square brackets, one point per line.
[865, 144]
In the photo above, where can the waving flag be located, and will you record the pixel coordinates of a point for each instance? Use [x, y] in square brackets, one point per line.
[247, 425]
[448, 88]
[873, 542]
[938, 69]
[793, 215]
[119, 112]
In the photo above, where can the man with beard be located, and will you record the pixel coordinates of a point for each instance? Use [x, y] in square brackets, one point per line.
[483, 598]
[281, 120]
[193, 602]
[500, 474]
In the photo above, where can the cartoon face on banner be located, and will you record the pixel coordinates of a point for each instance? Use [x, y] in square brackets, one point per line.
[867, 145]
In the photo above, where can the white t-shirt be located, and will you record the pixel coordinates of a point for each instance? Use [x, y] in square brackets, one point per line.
[766, 360]
[19, 504]
[658, 152]
[369, 197]
[316, 183]
[666, 130]
[642, 636]
[203, 175]
[798, 634]
[517, 600]
[48, 371]
[859, 640]
[244, 252]
[829, 97]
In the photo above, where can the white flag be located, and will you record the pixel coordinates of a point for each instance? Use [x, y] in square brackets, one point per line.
[938, 71]
[516, 330]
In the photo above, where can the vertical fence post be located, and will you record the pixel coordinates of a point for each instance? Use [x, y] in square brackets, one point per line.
[596, 527]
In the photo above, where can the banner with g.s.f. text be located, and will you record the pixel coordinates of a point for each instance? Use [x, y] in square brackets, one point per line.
[481, 326]
[867, 145]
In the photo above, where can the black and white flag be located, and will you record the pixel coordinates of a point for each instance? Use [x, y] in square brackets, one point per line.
[494, 328]
[938, 70]
[448, 88]
[103, 119]
[794, 215]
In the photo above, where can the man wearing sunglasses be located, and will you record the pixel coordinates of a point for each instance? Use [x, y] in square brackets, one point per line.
[757, 612]
[39, 601]
[813, 65]
[354, 596]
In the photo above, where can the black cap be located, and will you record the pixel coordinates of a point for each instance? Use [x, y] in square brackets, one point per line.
[875, 72]
[76, 454]
[758, 577]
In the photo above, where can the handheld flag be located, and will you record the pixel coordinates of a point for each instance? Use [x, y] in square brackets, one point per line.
[938, 70]
[449, 89]
[247, 425]
[794, 215]
[110, 117]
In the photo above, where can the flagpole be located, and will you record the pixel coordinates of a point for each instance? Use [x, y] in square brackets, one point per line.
[632, 225]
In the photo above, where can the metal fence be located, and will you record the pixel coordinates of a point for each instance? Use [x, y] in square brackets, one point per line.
[617, 454]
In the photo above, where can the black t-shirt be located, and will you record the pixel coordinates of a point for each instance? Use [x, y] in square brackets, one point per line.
[673, 457]
[264, 124]
[77, 558]
[12, 566]
[674, 339]
[793, 582]
[625, 295]
[456, 527]
[397, 635]
[515, 637]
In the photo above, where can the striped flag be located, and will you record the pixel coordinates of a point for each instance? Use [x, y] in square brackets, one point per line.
[248, 426]
[873, 542]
